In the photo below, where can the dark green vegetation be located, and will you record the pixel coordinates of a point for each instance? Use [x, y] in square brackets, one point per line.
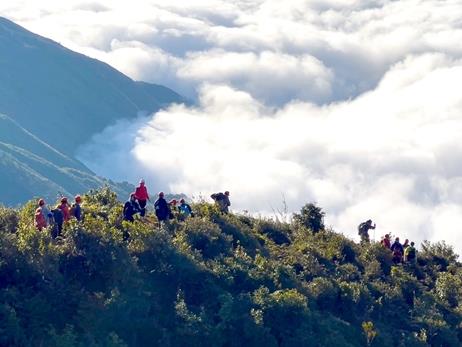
[52, 101]
[216, 280]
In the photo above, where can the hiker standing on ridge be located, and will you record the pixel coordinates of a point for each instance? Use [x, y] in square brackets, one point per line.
[58, 218]
[76, 209]
[222, 201]
[410, 254]
[42, 215]
[363, 230]
[162, 209]
[405, 244]
[65, 208]
[386, 242]
[172, 204]
[131, 208]
[46, 212]
[185, 210]
[398, 251]
[141, 194]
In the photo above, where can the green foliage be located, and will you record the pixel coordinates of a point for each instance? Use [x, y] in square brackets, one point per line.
[221, 280]
[311, 217]
[9, 220]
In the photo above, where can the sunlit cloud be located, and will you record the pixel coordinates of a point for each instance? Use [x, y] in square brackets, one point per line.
[352, 104]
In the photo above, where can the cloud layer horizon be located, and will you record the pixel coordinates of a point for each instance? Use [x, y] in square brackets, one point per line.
[352, 104]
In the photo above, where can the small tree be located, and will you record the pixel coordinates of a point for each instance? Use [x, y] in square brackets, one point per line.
[311, 216]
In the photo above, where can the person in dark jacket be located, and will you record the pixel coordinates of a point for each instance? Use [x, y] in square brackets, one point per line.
[410, 254]
[162, 208]
[131, 208]
[363, 230]
[398, 251]
[58, 221]
[222, 201]
[76, 209]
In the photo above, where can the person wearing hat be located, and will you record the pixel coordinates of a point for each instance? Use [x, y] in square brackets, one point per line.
[65, 208]
[162, 208]
[141, 194]
[76, 209]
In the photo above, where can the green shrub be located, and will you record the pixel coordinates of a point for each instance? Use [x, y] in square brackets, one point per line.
[205, 237]
[9, 220]
[311, 217]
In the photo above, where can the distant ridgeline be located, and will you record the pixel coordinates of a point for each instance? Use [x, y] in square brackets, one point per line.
[53, 100]
[216, 280]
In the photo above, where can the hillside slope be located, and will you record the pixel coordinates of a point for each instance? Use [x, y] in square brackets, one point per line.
[66, 97]
[52, 101]
[30, 167]
[216, 280]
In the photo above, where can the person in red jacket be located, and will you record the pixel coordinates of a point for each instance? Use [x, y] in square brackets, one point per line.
[386, 242]
[40, 219]
[65, 208]
[141, 194]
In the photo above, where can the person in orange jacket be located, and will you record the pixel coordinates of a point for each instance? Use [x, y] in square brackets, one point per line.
[65, 208]
[141, 194]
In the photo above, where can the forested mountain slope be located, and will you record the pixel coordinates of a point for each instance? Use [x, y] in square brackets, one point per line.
[216, 280]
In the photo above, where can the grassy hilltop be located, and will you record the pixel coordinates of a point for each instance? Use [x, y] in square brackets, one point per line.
[216, 280]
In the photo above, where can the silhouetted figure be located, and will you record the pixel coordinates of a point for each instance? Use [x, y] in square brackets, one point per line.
[222, 201]
[398, 251]
[162, 208]
[363, 230]
[58, 221]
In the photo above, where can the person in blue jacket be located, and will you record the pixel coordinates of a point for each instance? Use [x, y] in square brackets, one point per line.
[185, 210]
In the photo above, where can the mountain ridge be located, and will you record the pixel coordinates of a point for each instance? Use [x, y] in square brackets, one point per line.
[52, 101]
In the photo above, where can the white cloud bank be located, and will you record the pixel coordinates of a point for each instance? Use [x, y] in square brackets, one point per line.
[352, 104]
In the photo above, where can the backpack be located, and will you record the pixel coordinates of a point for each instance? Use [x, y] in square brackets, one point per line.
[361, 228]
[410, 252]
[217, 196]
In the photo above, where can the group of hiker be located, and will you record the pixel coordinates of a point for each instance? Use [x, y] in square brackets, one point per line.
[402, 253]
[173, 209]
[136, 204]
[56, 217]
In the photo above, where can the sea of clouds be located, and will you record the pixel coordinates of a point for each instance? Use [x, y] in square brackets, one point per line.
[355, 105]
